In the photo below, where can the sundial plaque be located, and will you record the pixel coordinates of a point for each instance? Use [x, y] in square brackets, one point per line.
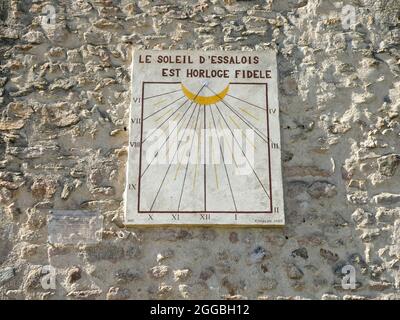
[204, 139]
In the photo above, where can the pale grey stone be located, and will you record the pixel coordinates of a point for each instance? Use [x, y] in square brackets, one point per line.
[386, 198]
[6, 274]
[388, 164]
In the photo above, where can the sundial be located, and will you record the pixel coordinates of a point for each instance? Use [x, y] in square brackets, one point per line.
[204, 139]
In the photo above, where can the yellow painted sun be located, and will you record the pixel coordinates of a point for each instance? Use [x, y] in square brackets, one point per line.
[205, 100]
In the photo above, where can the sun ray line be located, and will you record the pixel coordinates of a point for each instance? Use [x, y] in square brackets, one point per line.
[205, 166]
[244, 133]
[170, 104]
[177, 148]
[194, 178]
[249, 103]
[163, 115]
[169, 166]
[198, 158]
[165, 141]
[177, 170]
[179, 164]
[187, 164]
[223, 160]
[180, 127]
[152, 132]
[159, 102]
[247, 122]
[243, 152]
[176, 111]
[229, 147]
[212, 160]
[216, 176]
[249, 113]
[161, 94]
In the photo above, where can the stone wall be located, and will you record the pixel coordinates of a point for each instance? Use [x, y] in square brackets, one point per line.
[64, 101]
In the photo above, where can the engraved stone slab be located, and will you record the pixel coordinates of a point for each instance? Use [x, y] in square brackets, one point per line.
[204, 139]
[74, 227]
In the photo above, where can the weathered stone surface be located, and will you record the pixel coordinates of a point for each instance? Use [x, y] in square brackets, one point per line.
[322, 189]
[116, 293]
[300, 252]
[182, 274]
[5, 195]
[294, 272]
[329, 297]
[9, 33]
[97, 37]
[164, 290]
[268, 284]
[6, 274]
[386, 198]
[258, 255]
[330, 256]
[64, 89]
[159, 271]
[74, 274]
[303, 171]
[127, 275]
[33, 277]
[43, 188]
[84, 294]
[34, 37]
[11, 125]
[66, 191]
[388, 164]
[380, 286]
[105, 252]
[165, 254]
[207, 273]
[133, 252]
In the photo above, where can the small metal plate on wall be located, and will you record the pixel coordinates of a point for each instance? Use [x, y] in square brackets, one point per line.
[74, 227]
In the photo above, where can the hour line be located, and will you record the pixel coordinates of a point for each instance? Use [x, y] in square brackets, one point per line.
[229, 145]
[244, 133]
[223, 160]
[247, 122]
[169, 166]
[247, 112]
[170, 104]
[188, 161]
[249, 103]
[223, 118]
[165, 141]
[166, 120]
[177, 148]
[162, 94]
